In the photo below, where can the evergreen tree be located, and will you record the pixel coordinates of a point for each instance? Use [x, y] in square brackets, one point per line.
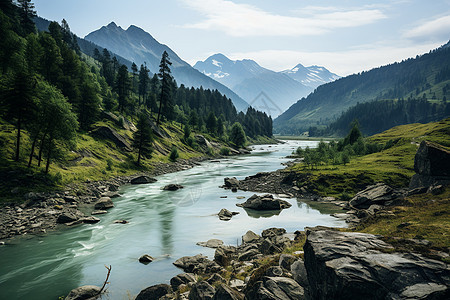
[237, 135]
[211, 123]
[26, 14]
[122, 87]
[143, 137]
[165, 98]
[143, 83]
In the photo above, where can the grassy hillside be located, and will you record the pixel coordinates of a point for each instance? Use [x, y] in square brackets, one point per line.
[394, 166]
[425, 77]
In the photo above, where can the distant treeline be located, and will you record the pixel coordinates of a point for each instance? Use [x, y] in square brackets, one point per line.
[378, 116]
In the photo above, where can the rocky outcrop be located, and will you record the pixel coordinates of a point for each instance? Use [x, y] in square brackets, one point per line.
[432, 165]
[145, 259]
[182, 279]
[277, 288]
[226, 215]
[350, 265]
[154, 292]
[197, 264]
[143, 179]
[104, 203]
[201, 291]
[173, 187]
[378, 194]
[230, 183]
[85, 292]
[108, 133]
[264, 202]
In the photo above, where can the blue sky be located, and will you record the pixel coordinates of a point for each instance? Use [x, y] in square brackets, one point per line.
[346, 36]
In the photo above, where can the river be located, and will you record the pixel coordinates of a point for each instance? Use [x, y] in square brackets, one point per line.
[164, 224]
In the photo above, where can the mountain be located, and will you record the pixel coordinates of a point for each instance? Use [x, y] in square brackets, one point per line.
[426, 77]
[312, 76]
[264, 89]
[140, 47]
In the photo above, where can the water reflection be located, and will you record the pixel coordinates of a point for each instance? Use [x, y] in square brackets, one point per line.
[261, 213]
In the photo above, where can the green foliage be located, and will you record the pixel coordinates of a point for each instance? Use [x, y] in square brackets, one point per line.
[174, 154]
[237, 135]
[143, 137]
[167, 85]
[225, 151]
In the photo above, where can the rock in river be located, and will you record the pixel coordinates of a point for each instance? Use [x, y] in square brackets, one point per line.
[142, 180]
[226, 215]
[103, 203]
[173, 187]
[264, 202]
[84, 292]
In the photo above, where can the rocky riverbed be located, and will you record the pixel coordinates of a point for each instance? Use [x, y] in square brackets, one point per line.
[41, 212]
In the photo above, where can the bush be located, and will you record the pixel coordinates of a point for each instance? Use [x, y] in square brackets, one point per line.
[174, 154]
[210, 151]
[225, 151]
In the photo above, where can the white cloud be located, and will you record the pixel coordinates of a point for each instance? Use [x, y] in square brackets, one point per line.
[437, 28]
[241, 20]
[342, 63]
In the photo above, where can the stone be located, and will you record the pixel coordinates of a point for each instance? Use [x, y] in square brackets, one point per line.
[277, 288]
[237, 284]
[90, 220]
[436, 189]
[264, 202]
[343, 265]
[110, 194]
[231, 182]
[250, 237]
[216, 278]
[121, 222]
[84, 292]
[180, 279]
[267, 247]
[286, 260]
[212, 243]
[248, 255]
[145, 259]
[224, 254]
[143, 180]
[103, 203]
[299, 274]
[197, 264]
[173, 187]
[274, 271]
[154, 292]
[66, 217]
[226, 215]
[374, 194]
[98, 212]
[201, 291]
[224, 292]
[272, 232]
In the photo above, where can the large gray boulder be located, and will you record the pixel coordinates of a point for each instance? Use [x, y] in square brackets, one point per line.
[276, 288]
[183, 278]
[226, 215]
[350, 265]
[224, 292]
[198, 264]
[108, 133]
[432, 165]
[154, 292]
[67, 217]
[231, 182]
[143, 180]
[379, 193]
[103, 203]
[264, 202]
[201, 291]
[84, 292]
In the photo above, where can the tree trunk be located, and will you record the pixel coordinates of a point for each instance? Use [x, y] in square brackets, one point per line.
[160, 105]
[49, 153]
[32, 149]
[19, 124]
[41, 148]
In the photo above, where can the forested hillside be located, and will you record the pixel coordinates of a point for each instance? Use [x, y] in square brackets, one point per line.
[91, 115]
[424, 77]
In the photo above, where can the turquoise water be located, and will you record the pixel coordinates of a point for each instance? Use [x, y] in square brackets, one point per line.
[164, 224]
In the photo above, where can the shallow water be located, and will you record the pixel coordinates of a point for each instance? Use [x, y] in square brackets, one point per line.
[164, 224]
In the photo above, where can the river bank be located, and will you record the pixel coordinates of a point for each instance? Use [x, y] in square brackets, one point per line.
[43, 212]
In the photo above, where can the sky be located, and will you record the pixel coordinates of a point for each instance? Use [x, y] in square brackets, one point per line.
[345, 36]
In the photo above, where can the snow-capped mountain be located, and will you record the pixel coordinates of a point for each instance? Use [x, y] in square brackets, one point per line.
[140, 47]
[264, 89]
[312, 76]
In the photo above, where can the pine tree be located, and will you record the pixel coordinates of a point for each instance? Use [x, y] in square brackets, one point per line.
[237, 135]
[165, 99]
[27, 13]
[122, 87]
[143, 137]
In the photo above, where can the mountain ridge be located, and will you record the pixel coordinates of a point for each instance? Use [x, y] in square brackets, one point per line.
[139, 46]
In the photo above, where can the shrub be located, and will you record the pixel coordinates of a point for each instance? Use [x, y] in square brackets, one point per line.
[225, 151]
[174, 154]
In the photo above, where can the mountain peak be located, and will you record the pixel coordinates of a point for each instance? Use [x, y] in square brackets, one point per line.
[112, 25]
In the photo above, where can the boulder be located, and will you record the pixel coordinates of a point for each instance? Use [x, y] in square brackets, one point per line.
[286, 260]
[173, 187]
[145, 259]
[143, 180]
[106, 132]
[98, 212]
[264, 202]
[183, 278]
[299, 274]
[110, 194]
[224, 254]
[231, 182]
[272, 232]
[226, 215]
[66, 217]
[248, 255]
[375, 194]
[154, 292]
[201, 291]
[344, 265]
[432, 165]
[103, 203]
[224, 292]
[215, 279]
[277, 288]
[212, 243]
[250, 237]
[197, 264]
[237, 284]
[84, 292]
[274, 271]
[90, 220]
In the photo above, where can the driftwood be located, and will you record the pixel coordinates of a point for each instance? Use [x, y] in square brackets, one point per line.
[107, 277]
